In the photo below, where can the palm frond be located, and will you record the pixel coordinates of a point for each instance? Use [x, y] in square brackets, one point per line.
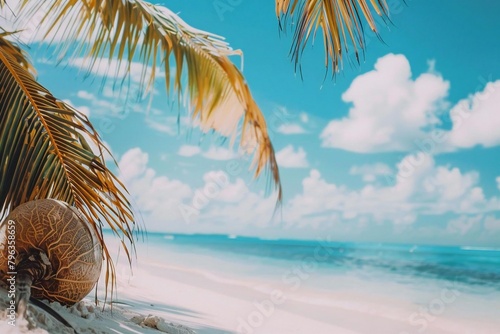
[45, 154]
[217, 93]
[16, 52]
[341, 22]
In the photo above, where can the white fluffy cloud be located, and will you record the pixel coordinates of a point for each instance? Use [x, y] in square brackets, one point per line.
[170, 125]
[218, 206]
[476, 120]
[233, 207]
[219, 153]
[291, 129]
[304, 118]
[498, 182]
[389, 109]
[223, 205]
[464, 224]
[286, 122]
[102, 105]
[157, 197]
[392, 112]
[212, 153]
[83, 94]
[189, 150]
[168, 128]
[288, 157]
[418, 187]
[370, 172]
[133, 164]
[116, 69]
[492, 224]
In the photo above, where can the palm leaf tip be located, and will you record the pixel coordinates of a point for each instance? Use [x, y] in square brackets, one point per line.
[340, 21]
[45, 154]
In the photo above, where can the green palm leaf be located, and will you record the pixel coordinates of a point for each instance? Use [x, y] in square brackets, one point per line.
[341, 22]
[45, 153]
[129, 30]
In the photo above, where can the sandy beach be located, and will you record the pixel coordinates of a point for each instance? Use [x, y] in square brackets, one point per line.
[174, 292]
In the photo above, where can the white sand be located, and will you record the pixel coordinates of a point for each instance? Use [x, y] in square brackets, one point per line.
[209, 303]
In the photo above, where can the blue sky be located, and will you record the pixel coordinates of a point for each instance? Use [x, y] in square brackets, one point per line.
[401, 148]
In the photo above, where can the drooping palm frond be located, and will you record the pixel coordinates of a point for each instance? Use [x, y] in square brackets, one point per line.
[341, 22]
[45, 153]
[218, 95]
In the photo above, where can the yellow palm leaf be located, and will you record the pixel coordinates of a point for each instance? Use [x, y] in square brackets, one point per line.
[129, 30]
[45, 153]
[341, 22]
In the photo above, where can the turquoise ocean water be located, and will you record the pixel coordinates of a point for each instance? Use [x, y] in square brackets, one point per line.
[472, 268]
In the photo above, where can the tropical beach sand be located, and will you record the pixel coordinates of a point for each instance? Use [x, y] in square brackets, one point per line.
[169, 291]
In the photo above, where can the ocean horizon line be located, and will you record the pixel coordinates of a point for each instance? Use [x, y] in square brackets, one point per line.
[309, 241]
